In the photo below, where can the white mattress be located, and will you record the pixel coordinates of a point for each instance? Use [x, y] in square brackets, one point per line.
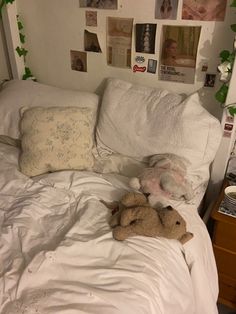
[57, 254]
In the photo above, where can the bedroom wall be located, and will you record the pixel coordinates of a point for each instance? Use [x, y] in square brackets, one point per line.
[55, 27]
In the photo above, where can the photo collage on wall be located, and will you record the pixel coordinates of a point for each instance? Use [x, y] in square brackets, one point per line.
[177, 46]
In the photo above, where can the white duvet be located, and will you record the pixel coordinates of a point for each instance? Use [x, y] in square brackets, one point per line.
[57, 254]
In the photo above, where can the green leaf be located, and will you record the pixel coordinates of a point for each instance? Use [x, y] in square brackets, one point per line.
[233, 4]
[4, 2]
[21, 51]
[224, 55]
[231, 58]
[233, 27]
[20, 25]
[22, 38]
[27, 74]
[232, 110]
[221, 94]
[1, 6]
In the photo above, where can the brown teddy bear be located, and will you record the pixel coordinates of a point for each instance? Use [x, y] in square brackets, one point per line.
[136, 217]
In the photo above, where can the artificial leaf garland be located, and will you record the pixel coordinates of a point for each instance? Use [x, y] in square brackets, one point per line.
[22, 52]
[225, 69]
[4, 2]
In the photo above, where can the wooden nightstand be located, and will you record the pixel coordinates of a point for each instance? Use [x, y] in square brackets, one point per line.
[224, 244]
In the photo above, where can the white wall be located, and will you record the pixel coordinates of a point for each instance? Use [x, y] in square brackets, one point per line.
[55, 27]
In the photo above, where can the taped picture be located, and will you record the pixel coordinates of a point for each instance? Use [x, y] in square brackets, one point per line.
[179, 53]
[78, 60]
[145, 37]
[99, 4]
[119, 41]
[204, 10]
[166, 9]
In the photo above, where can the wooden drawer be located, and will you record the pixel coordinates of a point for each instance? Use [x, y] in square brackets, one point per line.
[227, 289]
[225, 235]
[226, 262]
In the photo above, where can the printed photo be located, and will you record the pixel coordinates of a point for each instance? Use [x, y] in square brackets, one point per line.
[204, 10]
[119, 41]
[166, 9]
[145, 38]
[210, 80]
[91, 18]
[91, 42]
[152, 66]
[99, 4]
[78, 60]
[179, 53]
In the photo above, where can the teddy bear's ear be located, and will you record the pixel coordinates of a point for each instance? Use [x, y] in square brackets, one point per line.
[133, 198]
[186, 237]
[111, 205]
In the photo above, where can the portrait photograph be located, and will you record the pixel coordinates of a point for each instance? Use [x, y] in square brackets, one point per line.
[99, 4]
[210, 80]
[78, 60]
[179, 52]
[166, 9]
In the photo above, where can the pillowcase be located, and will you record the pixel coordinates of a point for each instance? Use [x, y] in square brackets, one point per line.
[129, 118]
[137, 121]
[56, 138]
[18, 93]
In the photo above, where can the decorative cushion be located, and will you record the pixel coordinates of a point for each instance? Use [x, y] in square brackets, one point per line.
[18, 93]
[56, 138]
[138, 121]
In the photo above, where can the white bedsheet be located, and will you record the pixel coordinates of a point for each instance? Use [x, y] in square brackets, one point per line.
[57, 254]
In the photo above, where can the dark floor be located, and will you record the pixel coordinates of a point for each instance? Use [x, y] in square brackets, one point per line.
[225, 310]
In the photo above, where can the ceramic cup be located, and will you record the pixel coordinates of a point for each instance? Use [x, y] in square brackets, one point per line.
[230, 198]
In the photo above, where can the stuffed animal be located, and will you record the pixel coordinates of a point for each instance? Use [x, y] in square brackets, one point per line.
[136, 217]
[164, 179]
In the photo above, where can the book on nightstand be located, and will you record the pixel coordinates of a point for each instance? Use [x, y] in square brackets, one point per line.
[224, 210]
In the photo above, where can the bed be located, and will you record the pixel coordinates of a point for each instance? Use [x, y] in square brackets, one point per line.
[57, 253]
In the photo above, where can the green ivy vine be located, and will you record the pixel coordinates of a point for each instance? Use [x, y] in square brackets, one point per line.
[4, 2]
[21, 51]
[228, 58]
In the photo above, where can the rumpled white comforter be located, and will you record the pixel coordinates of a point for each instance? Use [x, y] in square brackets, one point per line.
[57, 254]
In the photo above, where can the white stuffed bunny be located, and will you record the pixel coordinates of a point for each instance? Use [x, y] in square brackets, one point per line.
[164, 179]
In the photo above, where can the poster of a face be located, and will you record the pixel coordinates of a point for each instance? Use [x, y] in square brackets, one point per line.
[179, 53]
[145, 38]
[119, 41]
[99, 4]
[204, 10]
[166, 9]
[78, 60]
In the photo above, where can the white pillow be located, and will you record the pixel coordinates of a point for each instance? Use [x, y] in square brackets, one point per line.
[137, 121]
[129, 117]
[18, 93]
[56, 138]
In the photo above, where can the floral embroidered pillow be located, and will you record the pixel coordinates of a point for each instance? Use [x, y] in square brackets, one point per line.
[56, 138]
